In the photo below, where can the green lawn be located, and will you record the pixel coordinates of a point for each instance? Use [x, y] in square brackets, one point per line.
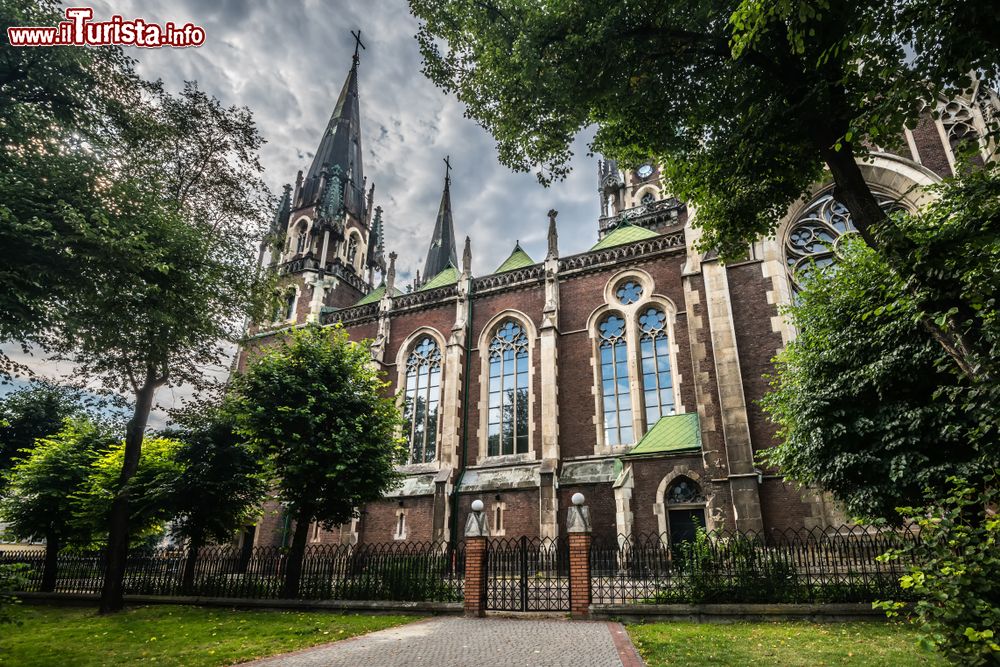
[786, 644]
[171, 635]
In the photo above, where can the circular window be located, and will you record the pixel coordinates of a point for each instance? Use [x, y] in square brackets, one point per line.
[629, 292]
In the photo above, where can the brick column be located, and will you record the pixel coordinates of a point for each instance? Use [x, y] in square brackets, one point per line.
[476, 531]
[578, 528]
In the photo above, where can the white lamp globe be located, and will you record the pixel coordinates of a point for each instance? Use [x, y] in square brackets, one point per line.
[477, 505]
[578, 499]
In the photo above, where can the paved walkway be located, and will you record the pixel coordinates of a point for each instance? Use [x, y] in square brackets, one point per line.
[464, 642]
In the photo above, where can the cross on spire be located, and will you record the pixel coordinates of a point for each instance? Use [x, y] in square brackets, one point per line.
[447, 168]
[357, 43]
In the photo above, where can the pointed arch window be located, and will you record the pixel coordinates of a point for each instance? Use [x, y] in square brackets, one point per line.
[615, 389]
[507, 426]
[301, 239]
[423, 394]
[654, 357]
[352, 250]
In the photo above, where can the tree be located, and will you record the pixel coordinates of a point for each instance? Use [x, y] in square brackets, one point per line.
[868, 405]
[174, 237]
[39, 502]
[150, 489]
[54, 102]
[221, 487]
[742, 102]
[316, 411]
[33, 412]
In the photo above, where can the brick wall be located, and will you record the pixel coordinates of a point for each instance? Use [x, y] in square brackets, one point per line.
[600, 498]
[932, 151]
[378, 522]
[520, 517]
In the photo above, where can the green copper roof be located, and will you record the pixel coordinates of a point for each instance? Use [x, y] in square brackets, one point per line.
[626, 233]
[518, 260]
[447, 277]
[671, 433]
[376, 295]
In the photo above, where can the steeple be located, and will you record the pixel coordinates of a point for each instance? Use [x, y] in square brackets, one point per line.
[442, 251]
[339, 152]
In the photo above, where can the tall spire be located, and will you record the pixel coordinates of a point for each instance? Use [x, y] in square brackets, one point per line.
[339, 152]
[442, 251]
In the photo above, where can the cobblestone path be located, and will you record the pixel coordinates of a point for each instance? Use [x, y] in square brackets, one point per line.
[465, 642]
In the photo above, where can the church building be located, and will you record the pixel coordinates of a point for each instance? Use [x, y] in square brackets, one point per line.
[631, 372]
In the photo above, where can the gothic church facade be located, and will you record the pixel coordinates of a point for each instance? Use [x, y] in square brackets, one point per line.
[631, 372]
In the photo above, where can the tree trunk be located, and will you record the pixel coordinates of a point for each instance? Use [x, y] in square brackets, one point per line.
[187, 580]
[117, 549]
[293, 573]
[51, 568]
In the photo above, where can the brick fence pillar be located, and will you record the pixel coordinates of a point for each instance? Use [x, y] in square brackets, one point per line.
[578, 528]
[477, 530]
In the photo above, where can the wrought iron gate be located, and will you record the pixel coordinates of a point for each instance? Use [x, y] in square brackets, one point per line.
[527, 574]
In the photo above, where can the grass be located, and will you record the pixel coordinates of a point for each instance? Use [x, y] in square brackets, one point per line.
[171, 635]
[786, 644]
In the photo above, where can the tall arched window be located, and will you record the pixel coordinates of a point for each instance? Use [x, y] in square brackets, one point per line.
[654, 354]
[614, 381]
[352, 250]
[507, 426]
[301, 239]
[423, 393]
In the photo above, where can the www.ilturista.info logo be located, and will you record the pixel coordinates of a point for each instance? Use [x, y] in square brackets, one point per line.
[79, 30]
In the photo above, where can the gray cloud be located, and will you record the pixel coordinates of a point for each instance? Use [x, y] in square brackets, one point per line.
[287, 62]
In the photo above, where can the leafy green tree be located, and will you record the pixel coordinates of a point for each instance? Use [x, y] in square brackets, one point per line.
[743, 102]
[53, 103]
[39, 502]
[150, 489]
[12, 579]
[316, 410]
[868, 405]
[175, 239]
[221, 487]
[33, 412]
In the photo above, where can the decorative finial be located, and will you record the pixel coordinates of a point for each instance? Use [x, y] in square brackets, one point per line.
[553, 234]
[416, 280]
[467, 257]
[390, 280]
[357, 43]
[447, 170]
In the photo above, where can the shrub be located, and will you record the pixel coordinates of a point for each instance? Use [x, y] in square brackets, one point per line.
[957, 576]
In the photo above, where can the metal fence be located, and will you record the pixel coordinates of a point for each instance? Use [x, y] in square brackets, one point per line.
[415, 571]
[831, 565]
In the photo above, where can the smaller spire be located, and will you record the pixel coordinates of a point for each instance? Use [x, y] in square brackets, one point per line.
[442, 251]
[467, 257]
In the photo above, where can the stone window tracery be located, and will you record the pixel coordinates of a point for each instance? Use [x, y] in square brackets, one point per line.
[811, 240]
[615, 389]
[654, 354]
[421, 399]
[647, 199]
[507, 424]
[301, 239]
[683, 491]
[629, 292]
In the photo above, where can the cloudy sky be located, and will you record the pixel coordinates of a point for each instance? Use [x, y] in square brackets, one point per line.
[287, 60]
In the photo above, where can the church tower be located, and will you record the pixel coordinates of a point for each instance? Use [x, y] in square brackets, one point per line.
[634, 196]
[330, 246]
